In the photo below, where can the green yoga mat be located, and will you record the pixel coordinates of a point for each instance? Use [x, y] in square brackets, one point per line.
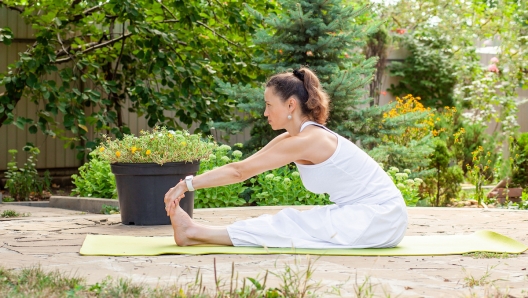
[484, 241]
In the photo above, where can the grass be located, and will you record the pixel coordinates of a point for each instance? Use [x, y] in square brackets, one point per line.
[12, 213]
[107, 209]
[364, 289]
[484, 280]
[8, 199]
[490, 255]
[491, 292]
[34, 282]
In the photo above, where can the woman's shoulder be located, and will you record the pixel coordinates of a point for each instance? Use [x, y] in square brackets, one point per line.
[316, 131]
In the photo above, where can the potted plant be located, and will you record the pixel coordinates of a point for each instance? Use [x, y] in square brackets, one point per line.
[145, 167]
[510, 189]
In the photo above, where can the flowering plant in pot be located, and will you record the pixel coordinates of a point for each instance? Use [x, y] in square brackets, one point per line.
[145, 167]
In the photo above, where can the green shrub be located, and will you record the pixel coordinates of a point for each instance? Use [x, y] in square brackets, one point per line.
[520, 161]
[524, 200]
[8, 199]
[427, 72]
[284, 187]
[221, 196]
[474, 137]
[281, 186]
[409, 188]
[25, 182]
[95, 180]
[444, 184]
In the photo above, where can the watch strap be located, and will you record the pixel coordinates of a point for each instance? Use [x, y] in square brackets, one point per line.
[188, 181]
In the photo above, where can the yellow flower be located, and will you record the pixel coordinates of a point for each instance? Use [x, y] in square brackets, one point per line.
[101, 149]
[183, 144]
[118, 153]
[147, 152]
[133, 149]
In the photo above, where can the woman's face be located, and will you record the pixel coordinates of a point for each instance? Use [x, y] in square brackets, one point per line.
[276, 110]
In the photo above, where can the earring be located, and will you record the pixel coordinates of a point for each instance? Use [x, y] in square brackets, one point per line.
[289, 117]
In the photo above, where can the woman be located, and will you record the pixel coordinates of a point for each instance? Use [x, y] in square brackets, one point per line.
[369, 210]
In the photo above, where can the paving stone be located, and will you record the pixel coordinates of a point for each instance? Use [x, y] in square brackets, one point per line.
[51, 238]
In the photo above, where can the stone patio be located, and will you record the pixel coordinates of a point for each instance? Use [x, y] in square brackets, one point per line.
[52, 237]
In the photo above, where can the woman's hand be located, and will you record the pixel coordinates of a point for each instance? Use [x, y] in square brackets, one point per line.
[173, 197]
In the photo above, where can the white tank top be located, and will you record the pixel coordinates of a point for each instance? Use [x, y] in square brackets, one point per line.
[349, 176]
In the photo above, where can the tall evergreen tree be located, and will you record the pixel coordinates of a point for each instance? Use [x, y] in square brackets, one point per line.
[325, 36]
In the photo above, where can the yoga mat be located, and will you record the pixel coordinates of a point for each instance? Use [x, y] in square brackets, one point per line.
[481, 241]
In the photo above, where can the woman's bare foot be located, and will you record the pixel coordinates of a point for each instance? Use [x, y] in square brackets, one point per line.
[184, 228]
[187, 232]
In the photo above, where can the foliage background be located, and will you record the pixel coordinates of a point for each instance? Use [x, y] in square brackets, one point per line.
[159, 56]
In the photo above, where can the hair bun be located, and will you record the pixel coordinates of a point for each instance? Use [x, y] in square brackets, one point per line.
[298, 74]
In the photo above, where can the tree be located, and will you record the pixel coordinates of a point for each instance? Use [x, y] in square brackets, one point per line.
[159, 55]
[377, 46]
[427, 72]
[323, 35]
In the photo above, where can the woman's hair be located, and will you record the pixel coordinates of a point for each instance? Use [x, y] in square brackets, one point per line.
[304, 85]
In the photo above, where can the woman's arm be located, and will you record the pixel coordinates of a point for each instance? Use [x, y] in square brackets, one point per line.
[273, 142]
[284, 151]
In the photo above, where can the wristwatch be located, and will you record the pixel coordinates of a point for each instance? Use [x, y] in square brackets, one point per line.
[188, 181]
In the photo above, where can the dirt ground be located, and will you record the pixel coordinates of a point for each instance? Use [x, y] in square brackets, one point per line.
[51, 238]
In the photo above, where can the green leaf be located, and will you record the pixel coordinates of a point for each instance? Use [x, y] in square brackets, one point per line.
[69, 120]
[31, 80]
[33, 129]
[6, 36]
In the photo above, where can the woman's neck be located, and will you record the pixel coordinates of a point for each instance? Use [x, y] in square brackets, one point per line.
[295, 127]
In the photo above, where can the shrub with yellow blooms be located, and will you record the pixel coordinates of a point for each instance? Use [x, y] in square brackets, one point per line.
[407, 106]
[159, 145]
[405, 136]
[426, 141]
[477, 172]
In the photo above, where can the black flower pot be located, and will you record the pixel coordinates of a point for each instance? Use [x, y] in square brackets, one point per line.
[141, 188]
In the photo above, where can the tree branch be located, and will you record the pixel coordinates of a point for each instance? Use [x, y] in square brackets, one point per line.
[62, 46]
[75, 2]
[120, 54]
[100, 45]
[20, 10]
[223, 37]
[178, 41]
[218, 34]
[64, 52]
[87, 12]
[167, 9]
